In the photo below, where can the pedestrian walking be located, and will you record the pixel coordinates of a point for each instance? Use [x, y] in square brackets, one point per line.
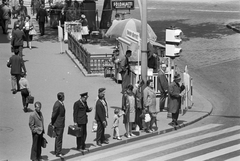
[58, 122]
[19, 22]
[162, 86]
[16, 64]
[22, 10]
[36, 125]
[117, 115]
[80, 118]
[35, 5]
[85, 30]
[15, 6]
[149, 100]
[25, 91]
[17, 40]
[101, 117]
[5, 14]
[129, 117]
[174, 98]
[28, 26]
[139, 100]
[42, 18]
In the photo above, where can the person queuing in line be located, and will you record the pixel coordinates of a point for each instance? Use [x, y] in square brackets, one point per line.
[25, 91]
[149, 100]
[117, 115]
[16, 64]
[5, 16]
[19, 22]
[22, 11]
[85, 30]
[17, 40]
[162, 86]
[80, 118]
[101, 117]
[36, 125]
[58, 122]
[42, 18]
[174, 98]
[28, 26]
[129, 117]
[139, 99]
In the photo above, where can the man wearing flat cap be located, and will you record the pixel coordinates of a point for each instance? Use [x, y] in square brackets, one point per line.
[162, 86]
[174, 98]
[80, 118]
[101, 117]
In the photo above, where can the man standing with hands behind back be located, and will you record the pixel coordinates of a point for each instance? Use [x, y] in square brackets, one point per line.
[80, 118]
[58, 121]
[42, 18]
[101, 117]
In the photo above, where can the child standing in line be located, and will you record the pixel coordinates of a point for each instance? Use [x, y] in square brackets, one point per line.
[117, 115]
[146, 120]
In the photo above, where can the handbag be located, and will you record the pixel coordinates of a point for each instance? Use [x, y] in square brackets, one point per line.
[44, 142]
[94, 126]
[74, 130]
[51, 132]
[30, 99]
[33, 32]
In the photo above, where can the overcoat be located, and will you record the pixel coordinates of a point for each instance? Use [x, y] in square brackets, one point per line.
[36, 123]
[174, 99]
[101, 112]
[80, 110]
[149, 99]
[58, 115]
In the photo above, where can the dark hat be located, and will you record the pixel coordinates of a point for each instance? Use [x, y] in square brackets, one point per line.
[177, 76]
[100, 90]
[84, 94]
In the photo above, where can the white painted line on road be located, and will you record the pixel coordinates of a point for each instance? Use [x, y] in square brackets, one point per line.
[197, 148]
[216, 153]
[149, 142]
[177, 143]
[234, 159]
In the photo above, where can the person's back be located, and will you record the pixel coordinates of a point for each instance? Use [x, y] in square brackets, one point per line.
[17, 37]
[6, 12]
[15, 63]
[41, 15]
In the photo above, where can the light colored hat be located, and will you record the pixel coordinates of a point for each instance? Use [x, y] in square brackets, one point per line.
[83, 16]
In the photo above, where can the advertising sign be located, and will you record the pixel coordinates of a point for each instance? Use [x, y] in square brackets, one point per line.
[72, 27]
[123, 5]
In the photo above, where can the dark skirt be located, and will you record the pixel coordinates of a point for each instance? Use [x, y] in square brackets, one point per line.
[27, 36]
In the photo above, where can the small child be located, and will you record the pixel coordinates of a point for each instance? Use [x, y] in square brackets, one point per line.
[117, 115]
[146, 120]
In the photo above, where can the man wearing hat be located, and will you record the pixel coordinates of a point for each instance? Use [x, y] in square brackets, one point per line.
[162, 86]
[101, 117]
[17, 40]
[174, 98]
[80, 118]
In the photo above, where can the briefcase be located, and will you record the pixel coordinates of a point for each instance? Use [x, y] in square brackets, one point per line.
[74, 130]
[51, 133]
[30, 99]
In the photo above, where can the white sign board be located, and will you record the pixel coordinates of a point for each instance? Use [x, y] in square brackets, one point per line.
[72, 27]
[135, 36]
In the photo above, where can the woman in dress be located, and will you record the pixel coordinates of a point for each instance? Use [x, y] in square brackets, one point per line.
[28, 26]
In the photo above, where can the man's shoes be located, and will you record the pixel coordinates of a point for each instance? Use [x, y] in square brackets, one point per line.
[105, 142]
[99, 144]
[59, 155]
[25, 110]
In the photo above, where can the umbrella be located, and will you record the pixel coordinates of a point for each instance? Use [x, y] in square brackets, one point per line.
[119, 28]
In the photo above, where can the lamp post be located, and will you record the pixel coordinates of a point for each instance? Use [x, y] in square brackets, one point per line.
[144, 43]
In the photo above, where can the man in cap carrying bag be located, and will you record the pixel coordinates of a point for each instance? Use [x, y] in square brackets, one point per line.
[80, 109]
[101, 117]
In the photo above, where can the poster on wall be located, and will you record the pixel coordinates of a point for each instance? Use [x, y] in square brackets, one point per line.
[73, 28]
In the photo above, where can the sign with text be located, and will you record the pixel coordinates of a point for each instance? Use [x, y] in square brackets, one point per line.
[123, 5]
[133, 35]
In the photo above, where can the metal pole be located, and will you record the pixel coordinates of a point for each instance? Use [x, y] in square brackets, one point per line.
[144, 43]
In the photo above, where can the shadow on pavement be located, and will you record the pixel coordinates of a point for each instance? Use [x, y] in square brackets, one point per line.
[50, 35]
[4, 38]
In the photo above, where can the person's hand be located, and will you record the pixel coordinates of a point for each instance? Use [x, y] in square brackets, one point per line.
[104, 123]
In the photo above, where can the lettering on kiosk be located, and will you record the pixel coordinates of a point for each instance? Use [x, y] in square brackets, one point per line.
[123, 4]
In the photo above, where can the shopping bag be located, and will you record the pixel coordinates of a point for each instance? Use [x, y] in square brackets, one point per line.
[94, 126]
[74, 130]
[30, 99]
[33, 32]
[51, 132]
[44, 143]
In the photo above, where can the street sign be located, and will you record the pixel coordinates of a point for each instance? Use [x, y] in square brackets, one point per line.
[122, 5]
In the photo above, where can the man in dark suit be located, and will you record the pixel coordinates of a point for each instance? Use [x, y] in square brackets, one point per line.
[16, 64]
[101, 117]
[162, 86]
[17, 40]
[80, 109]
[5, 16]
[58, 121]
[42, 18]
[19, 22]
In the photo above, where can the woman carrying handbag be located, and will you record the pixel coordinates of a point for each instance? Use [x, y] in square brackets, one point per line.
[27, 28]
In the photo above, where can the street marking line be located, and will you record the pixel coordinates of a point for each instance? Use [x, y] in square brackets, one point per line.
[177, 143]
[216, 153]
[237, 158]
[197, 148]
[149, 142]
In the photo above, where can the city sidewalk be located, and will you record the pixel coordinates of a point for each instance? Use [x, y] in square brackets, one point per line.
[50, 72]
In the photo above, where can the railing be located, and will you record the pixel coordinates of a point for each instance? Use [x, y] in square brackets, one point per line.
[93, 63]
